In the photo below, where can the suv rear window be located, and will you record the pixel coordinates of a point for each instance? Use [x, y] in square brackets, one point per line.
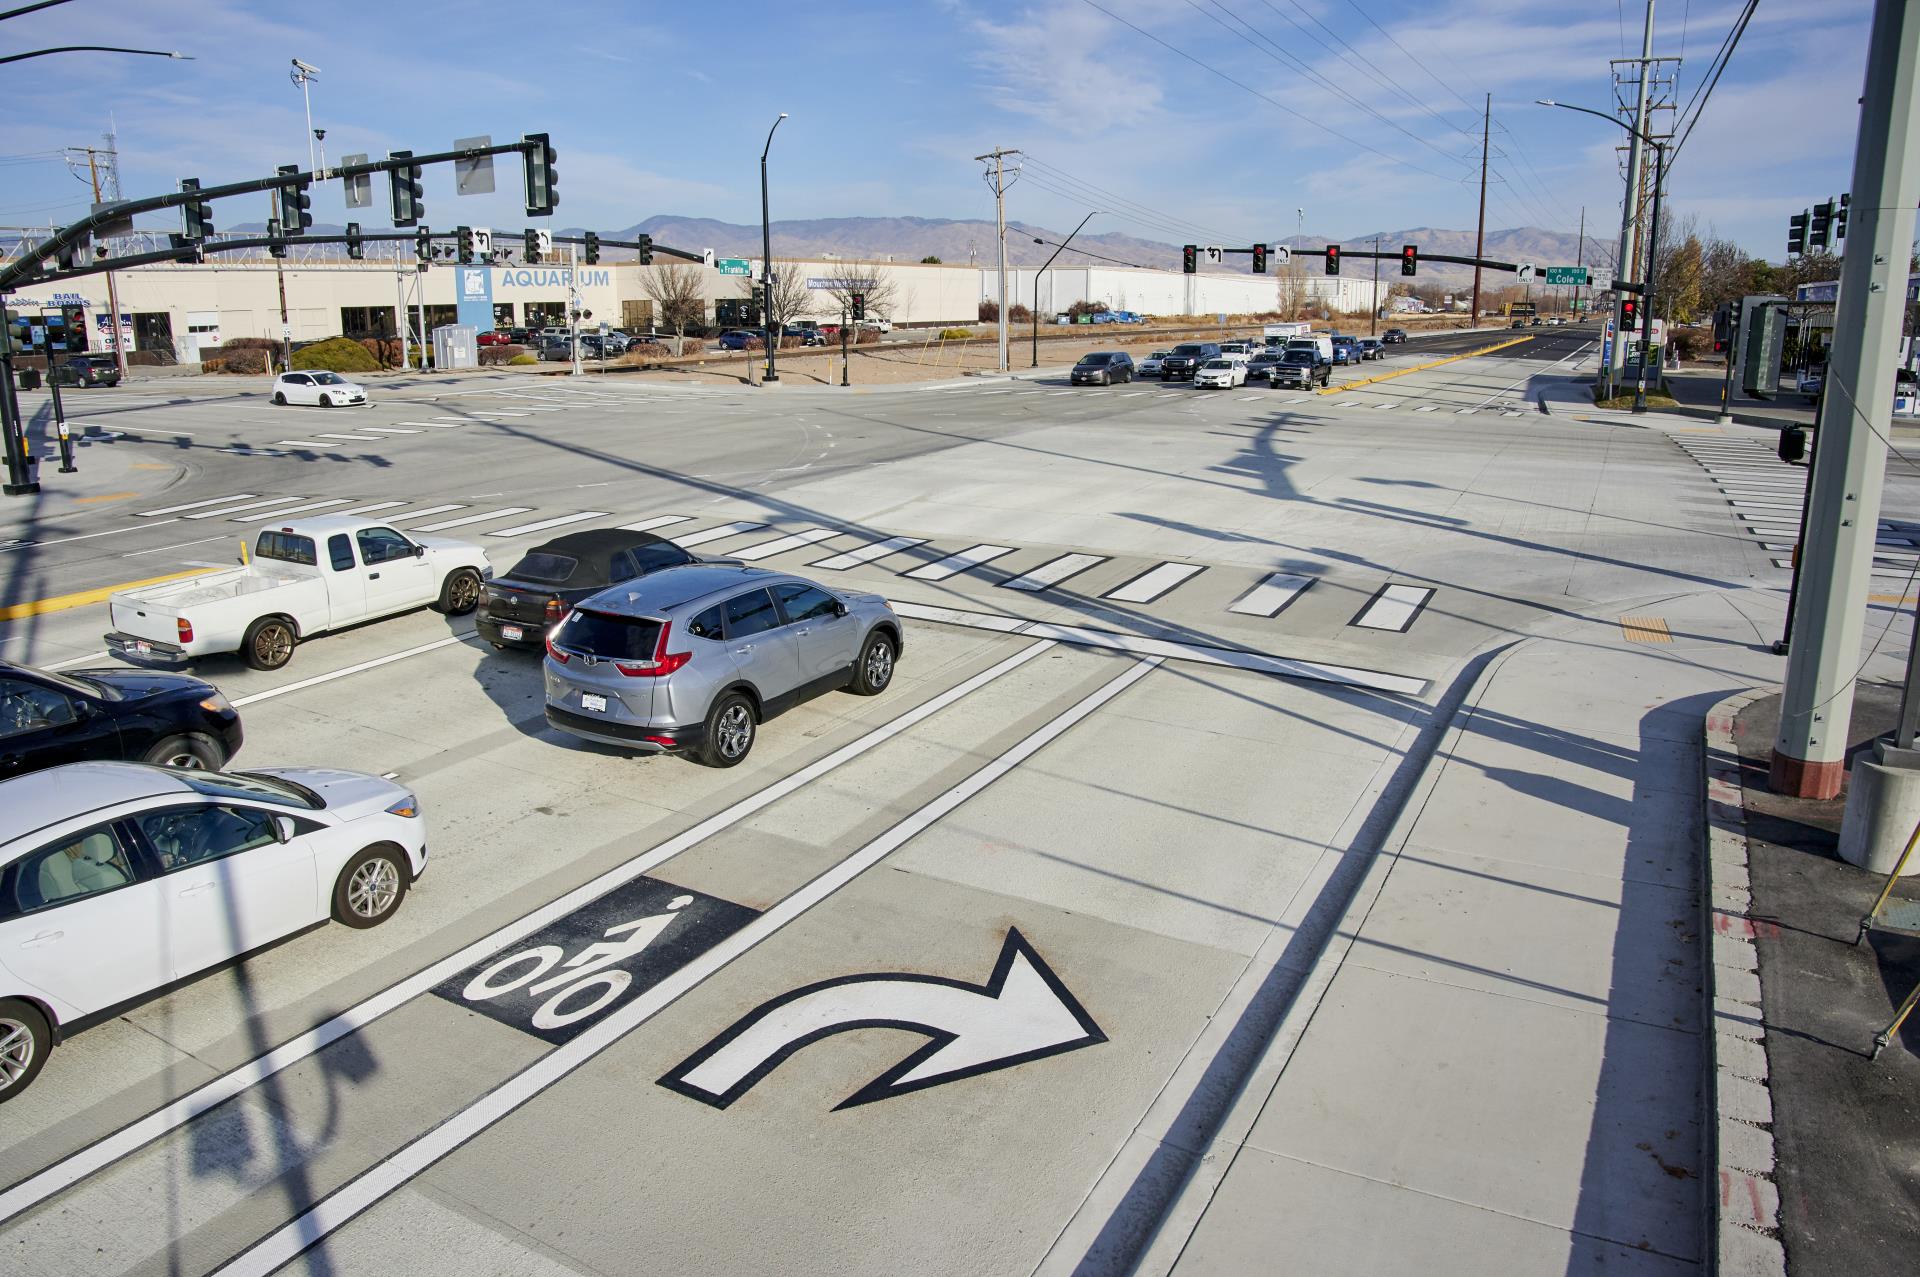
[615, 638]
[287, 548]
[548, 568]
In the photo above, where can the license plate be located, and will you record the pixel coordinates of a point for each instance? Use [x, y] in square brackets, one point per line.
[142, 648]
[589, 701]
[513, 632]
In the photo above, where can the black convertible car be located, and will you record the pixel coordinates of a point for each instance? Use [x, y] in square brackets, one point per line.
[130, 715]
[518, 608]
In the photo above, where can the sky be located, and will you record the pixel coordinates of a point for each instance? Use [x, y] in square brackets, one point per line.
[1215, 121]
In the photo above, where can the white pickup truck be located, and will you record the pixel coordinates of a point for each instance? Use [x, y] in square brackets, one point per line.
[305, 577]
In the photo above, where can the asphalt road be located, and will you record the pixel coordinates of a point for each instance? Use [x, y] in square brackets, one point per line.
[927, 962]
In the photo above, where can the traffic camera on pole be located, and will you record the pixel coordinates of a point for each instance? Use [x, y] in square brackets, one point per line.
[1190, 258]
[296, 206]
[590, 250]
[1820, 231]
[196, 214]
[1259, 259]
[1333, 259]
[403, 191]
[1796, 234]
[542, 176]
[1409, 260]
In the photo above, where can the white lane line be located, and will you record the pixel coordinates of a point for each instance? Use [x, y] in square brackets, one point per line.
[873, 549]
[715, 534]
[502, 412]
[1395, 608]
[75, 662]
[780, 545]
[1060, 392]
[236, 509]
[1295, 399]
[972, 557]
[1153, 583]
[396, 430]
[1050, 574]
[178, 545]
[85, 536]
[378, 505]
[458, 421]
[193, 505]
[76, 1167]
[361, 668]
[1425, 407]
[1241, 399]
[559, 522]
[1511, 414]
[1271, 596]
[417, 423]
[1131, 394]
[657, 521]
[464, 520]
[301, 509]
[302, 443]
[1464, 412]
[360, 438]
[1350, 403]
[345, 1203]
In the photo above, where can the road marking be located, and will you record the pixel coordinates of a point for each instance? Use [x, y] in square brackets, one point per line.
[1425, 407]
[716, 534]
[84, 536]
[1242, 398]
[1645, 629]
[178, 545]
[1053, 573]
[422, 513]
[971, 557]
[361, 668]
[361, 438]
[62, 602]
[378, 505]
[105, 496]
[1153, 583]
[458, 421]
[194, 505]
[1748, 503]
[77, 1166]
[236, 509]
[502, 513]
[780, 545]
[1394, 608]
[396, 430]
[1135, 394]
[657, 521]
[559, 522]
[299, 509]
[301, 443]
[1464, 412]
[347, 1202]
[872, 550]
[418, 423]
[1271, 596]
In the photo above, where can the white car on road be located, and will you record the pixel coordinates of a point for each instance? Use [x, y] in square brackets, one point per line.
[120, 879]
[305, 577]
[327, 389]
[1226, 371]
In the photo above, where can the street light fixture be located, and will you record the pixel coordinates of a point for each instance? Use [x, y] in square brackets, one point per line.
[1653, 241]
[97, 48]
[1035, 316]
[766, 260]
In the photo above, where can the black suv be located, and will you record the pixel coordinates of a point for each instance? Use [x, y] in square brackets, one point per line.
[123, 714]
[85, 370]
[1186, 359]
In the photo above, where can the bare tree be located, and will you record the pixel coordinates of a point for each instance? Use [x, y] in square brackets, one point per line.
[867, 280]
[678, 298]
[788, 297]
[1292, 294]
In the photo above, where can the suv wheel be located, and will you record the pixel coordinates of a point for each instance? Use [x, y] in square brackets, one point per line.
[25, 1039]
[874, 670]
[730, 729]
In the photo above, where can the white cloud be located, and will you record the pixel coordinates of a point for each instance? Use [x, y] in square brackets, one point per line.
[1067, 66]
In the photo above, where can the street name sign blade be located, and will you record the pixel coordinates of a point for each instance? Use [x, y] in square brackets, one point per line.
[733, 266]
[1022, 1013]
[1578, 276]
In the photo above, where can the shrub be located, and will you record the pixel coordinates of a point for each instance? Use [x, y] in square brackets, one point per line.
[989, 311]
[1019, 314]
[336, 354]
[866, 335]
[385, 349]
[955, 334]
[522, 360]
[1691, 343]
[242, 359]
[493, 355]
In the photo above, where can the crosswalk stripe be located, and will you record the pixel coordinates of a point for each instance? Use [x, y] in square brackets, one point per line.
[1425, 407]
[425, 512]
[416, 423]
[361, 438]
[971, 557]
[1242, 399]
[303, 443]
[300, 509]
[1153, 583]
[1272, 595]
[458, 421]
[464, 520]
[1464, 412]
[715, 534]
[1748, 503]
[1055, 571]
[869, 552]
[780, 545]
[1510, 414]
[396, 430]
[502, 412]
[1394, 608]
[193, 505]
[251, 505]
[657, 521]
[580, 516]
[369, 509]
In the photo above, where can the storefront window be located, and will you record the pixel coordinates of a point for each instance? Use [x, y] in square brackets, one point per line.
[366, 321]
[546, 314]
[502, 316]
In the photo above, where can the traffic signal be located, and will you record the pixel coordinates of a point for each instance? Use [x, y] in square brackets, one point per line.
[530, 246]
[1796, 234]
[423, 247]
[1259, 259]
[1190, 258]
[1840, 219]
[356, 247]
[542, 177]
[296, 206]
[591, 251]
[403, 191]
[646, 249]
[463, 237]
[1333, 259]
[1819, 233]
[276, 242]
[1629, 314]
[859, 307]
[1409, 259]
[198, 214]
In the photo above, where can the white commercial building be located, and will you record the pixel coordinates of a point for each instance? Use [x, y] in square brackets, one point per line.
[1163, 292]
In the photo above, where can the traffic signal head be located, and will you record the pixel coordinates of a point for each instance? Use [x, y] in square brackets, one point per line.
[1259, 259]
[530, 246]
[423, 247]
[1840, 219]
[1333, 259]
[356, 247]
[542, 177]
[1796, 234]
[1629, 314]
[590, 251]
[646, 249]
[1821, 228]
[463, 239]
[197, 213]
[296, 206]
[1409, 259]
[403, 191]
[1190, 258]
[859, 307]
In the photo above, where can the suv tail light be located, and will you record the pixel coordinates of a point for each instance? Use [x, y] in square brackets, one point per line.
[184, 628]
[663, 662]
[556, 653]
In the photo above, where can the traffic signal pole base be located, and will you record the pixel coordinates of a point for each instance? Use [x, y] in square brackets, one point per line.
[20, 489]
[1806, 778]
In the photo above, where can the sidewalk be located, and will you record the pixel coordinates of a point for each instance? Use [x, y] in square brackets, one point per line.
[1499, 1065]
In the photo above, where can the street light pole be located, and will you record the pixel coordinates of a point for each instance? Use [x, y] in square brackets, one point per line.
[95, 48]
[766, 261]
[1035, 316]
[303, 74]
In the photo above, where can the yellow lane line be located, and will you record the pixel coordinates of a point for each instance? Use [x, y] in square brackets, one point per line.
[61, 602]
[105, 496]
[1893, 598]
[1435, 363]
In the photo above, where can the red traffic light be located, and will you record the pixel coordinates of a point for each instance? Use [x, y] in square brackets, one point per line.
[1333, 259]
[1629, 312]
[1409, 259]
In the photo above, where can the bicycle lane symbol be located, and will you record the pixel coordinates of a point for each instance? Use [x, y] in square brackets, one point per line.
[568, 974]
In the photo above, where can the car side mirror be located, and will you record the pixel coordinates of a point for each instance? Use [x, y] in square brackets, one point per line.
[839, 608]
[283, 828]
[419, 551]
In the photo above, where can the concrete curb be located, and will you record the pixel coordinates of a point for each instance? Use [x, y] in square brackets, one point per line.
[1743, 1228]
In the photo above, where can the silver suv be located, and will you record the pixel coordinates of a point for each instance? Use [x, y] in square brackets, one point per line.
[692, 659]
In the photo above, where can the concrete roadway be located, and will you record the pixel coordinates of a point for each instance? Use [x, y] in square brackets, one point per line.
[926, 962]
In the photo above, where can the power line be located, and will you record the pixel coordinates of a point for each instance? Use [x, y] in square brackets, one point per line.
[1353, 57]
[1106, 199]
[1352, 4]
[1733, 41]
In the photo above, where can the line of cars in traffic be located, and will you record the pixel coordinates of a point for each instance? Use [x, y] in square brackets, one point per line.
[1303, 359]
[133, 859]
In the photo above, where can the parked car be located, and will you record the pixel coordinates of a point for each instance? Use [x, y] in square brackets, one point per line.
[1301, 366]
[1534, 322]
[118, 880]
[1261, 366]
[1222, 372]
[809, 336]
[1346, 350]
[692, 660]
[520, 336]
[493, 339]
[1371, 348]
[328, 389]
[1810, 380]
[1150, 366]
[1242, 348]
[741, 339]
[1184, 360]
[878, 325]
[1518, 323]
[85, 370]
[1393, 336]
[517, 609]
[283, 595]
[1103, 368]
[146, 716]
[560, 352]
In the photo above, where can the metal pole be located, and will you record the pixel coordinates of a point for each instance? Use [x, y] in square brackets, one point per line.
[1480, 236]
[1816, 709]
[113, 294]
[1043, 270]
[1646, 295]
[1000, 235]
[843, 347]
[280, 273]
[400, 312]
[1373, 316]
[1629, 212]
[1726, 375]
[20, 480]
[573, 307]
[1784, 643]
[766, 259]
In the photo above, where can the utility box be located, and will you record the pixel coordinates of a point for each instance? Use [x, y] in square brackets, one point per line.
[456, 346]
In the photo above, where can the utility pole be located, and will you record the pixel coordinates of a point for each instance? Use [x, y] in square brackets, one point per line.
[1629, 212]
[1373, 315]
[280, 273]
[113, 293]
[1580, 256]
[1823, 660]
[998, 180]
[1480, 236]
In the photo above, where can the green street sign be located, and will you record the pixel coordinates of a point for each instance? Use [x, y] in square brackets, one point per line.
[734, 266]
[1581, 303]
[1575, 275]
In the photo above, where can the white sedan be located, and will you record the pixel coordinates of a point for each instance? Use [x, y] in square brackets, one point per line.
[327, 389]
[1224, 372]
[120, 879]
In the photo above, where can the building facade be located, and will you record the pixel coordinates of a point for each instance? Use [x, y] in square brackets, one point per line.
[1163, 292]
